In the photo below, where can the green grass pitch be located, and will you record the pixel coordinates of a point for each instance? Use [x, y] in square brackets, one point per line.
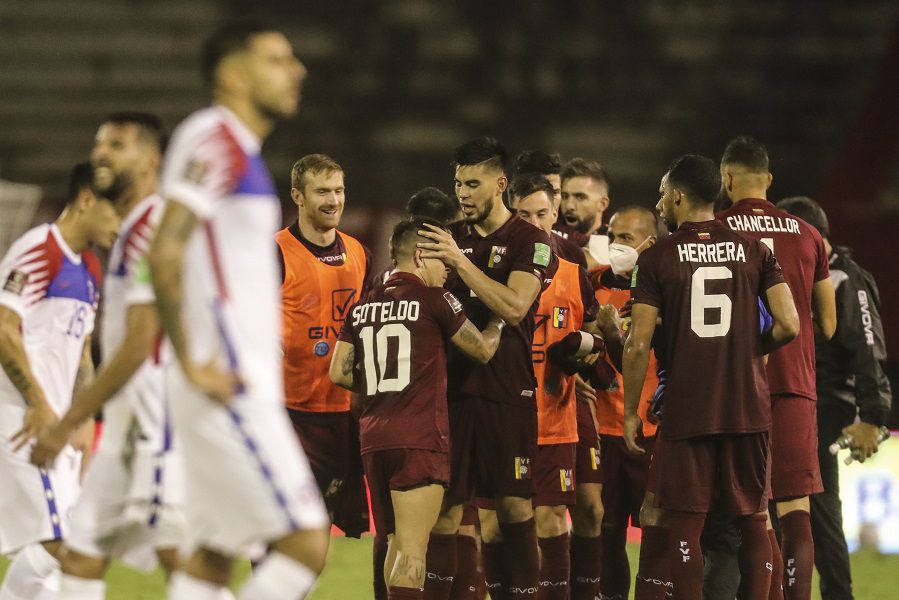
[347, 575]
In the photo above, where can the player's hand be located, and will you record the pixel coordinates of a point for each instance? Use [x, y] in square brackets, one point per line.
[217, 384]
[633, 426]
[625, 311]
[864, 439]
[608, 320]
[442, 246]
[583, 390]
[38, 418]
[591, 358]
[49, 444]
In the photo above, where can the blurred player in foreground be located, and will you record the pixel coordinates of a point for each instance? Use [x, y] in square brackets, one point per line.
[130, 504]
[215, 274]
[51, 283]
[704, 281]
[395, 339]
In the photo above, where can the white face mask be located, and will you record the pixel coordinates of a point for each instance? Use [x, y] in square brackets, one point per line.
[623, 258]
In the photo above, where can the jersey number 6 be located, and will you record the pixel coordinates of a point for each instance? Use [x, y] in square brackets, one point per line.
[700, 301]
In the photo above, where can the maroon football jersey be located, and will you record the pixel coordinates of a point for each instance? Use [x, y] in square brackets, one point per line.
[706, 281]
[563, 247]
[800, 252]
[399, 332]
[516, 246]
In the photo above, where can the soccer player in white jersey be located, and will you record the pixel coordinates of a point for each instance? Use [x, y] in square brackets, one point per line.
[216, 278]
[128, 506]
[50, 288]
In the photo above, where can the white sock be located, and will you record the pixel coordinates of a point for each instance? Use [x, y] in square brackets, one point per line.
[79, 588]
[33, 574]
[225, 594]
[279, 578]
[186, 587]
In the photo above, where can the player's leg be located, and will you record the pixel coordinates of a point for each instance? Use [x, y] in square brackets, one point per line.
[755, 556]
[615, 575]
[415, 511]
[555, 492]
[469, 581]
[776, 591]
[653, 577]
[831, 551]
[720, 552]
[587, 513]
[491, 548]
[82, 576]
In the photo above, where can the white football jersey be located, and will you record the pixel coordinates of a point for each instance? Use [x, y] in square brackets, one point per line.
[231, 278]
[55, 293]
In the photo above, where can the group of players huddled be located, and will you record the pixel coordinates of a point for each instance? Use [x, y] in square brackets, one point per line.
[520, 362]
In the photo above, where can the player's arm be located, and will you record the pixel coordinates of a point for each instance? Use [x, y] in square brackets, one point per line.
[479, 345]
[608, 325]
[39, 415]
[142, 331]
[786, 319]
[824, 307]
[635, 364]
[166, 259]
[85, 373]
[510, 301]
[343, 363]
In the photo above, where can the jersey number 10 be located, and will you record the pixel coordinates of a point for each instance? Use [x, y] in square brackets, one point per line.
[379, 345]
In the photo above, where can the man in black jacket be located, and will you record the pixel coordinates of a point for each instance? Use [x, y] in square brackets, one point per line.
[850, 383]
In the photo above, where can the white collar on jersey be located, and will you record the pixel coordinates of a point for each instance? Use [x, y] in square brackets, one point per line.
[75, 258]
[249, 141]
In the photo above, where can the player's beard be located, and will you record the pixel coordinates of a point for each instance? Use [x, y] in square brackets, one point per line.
[580, 225]
[121, 182]
[481, 215]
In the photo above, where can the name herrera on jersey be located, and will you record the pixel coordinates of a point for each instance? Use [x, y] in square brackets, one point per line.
[384, 312]
[711, 253]
[763, 224]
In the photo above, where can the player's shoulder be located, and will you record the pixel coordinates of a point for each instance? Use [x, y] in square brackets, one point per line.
[518, 227]
[351, 242]
[92, 263]
[34, 241]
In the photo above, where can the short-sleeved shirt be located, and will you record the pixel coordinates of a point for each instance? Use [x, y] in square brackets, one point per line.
[706, 281]
[399, 332]
[55, 293]
[515, 246]
[566, 249]
[232, 305]
[800, 251]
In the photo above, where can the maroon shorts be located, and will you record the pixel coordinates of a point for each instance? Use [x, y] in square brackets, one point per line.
[587, 468]
[329, 440]
[400, 469]
[470, 515]
[729, 472]
[493, 448]
[554, 478]
[794, 447]
[624, 478]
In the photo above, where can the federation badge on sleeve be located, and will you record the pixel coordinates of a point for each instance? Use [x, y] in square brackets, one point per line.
[496, 255]
[560, 314]
[542, 254]
[522, 467]
[634, 276]
[195, 172]
[16, 282]
[453, 302]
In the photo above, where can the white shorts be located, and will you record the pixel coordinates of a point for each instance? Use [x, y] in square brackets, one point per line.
[34, 503]
[247, 480]
[130, 504]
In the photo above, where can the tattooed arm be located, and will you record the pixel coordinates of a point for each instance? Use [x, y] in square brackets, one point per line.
[343, 362]
[479, 345]
[14, 360]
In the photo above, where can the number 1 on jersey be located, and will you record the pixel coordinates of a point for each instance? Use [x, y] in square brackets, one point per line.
[379, 345]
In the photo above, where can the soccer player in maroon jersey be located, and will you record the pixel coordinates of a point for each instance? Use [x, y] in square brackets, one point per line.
[499, 264]
[585, 197]
[791, 370]
[548, 165]
[395, 339]
[704, 281]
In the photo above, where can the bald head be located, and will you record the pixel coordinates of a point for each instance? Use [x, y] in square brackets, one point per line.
[633, 225]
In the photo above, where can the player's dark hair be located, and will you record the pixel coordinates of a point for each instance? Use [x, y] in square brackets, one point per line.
[233, 36]
[312, 163]
[535, 161]
[405, 236]
[81, 177]
[529, 183]
[809, 211]
[649, 217]
[747, 152]
[149, 124]
[697, 176]
[582, 167]
[482, 150]
[432, 203]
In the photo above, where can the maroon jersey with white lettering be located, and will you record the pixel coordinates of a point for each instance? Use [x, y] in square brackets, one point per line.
[706, 281]
[800, 251]
[515, 246]
[399, 332]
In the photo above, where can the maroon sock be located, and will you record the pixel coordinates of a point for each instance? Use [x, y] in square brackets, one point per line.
[654, 569]
[755, 558]
[440, 569]
[685, 554]
[492, 557]
[379, 556]
[585, 567]
[521, 560]
[798, 555]
[555, 567]
[404, 593]
[615, 581]
[465, 584]
[776, 591]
